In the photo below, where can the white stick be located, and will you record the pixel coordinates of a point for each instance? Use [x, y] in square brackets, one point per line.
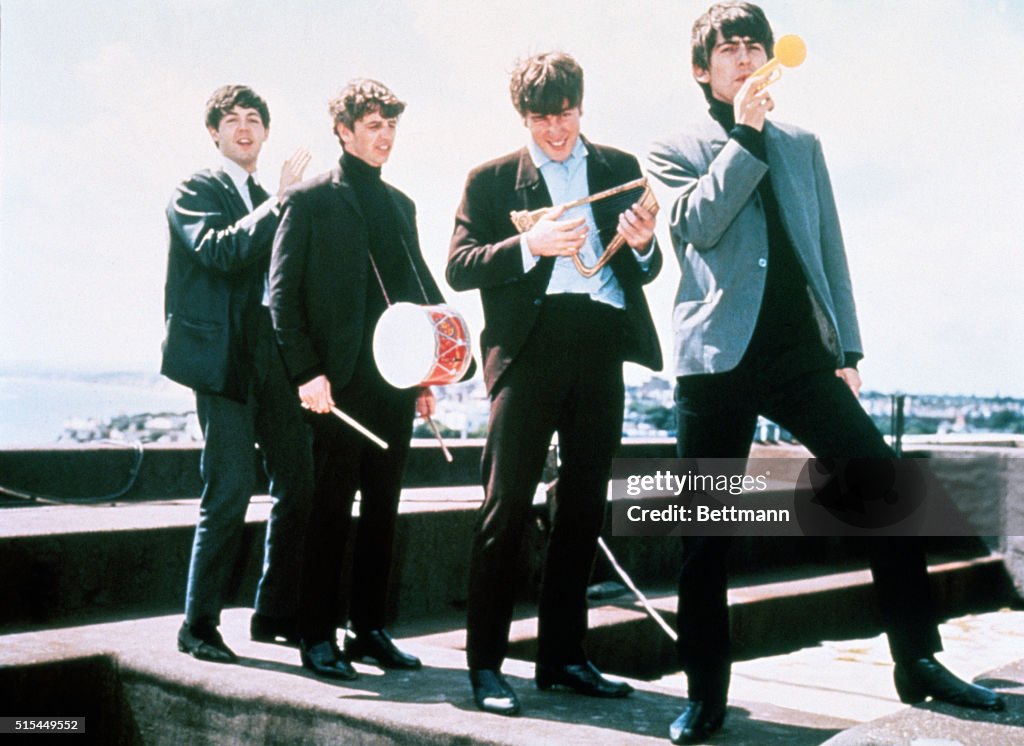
[354, 423]
[636, 591]
[437, 434]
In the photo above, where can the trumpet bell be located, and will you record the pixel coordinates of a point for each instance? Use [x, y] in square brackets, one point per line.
[790, 50]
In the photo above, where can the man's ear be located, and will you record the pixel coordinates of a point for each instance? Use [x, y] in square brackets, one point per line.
[344, 134]
[213, 134]
[701, 75]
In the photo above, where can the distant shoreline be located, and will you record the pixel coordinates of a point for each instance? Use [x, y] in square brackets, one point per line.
[35, 406]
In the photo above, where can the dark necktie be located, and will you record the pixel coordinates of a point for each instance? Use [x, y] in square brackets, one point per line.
[257, 194]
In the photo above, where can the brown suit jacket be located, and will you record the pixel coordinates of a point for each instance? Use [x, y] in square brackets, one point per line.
[485, 254]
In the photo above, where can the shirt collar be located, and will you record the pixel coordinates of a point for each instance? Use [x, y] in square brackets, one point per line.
[239, 176]
[540, 158]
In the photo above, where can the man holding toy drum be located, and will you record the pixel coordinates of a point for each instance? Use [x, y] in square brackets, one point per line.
[347, 249]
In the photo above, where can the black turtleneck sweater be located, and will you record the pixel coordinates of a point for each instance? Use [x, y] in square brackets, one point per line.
[786, 340]
[388, 254]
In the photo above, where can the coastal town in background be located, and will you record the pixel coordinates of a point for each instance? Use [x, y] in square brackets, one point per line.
[61, 407]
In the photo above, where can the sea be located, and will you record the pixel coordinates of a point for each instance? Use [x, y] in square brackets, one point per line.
[34, 409]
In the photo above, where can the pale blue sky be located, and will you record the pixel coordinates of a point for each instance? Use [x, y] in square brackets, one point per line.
[917, 104]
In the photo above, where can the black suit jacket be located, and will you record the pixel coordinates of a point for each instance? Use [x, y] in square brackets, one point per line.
[320, 274]
[219, 253]
[485, 254]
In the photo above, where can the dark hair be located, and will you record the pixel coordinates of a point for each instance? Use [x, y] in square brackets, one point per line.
[541, 84]
[360, 97]
[725, 20]
[227, 97]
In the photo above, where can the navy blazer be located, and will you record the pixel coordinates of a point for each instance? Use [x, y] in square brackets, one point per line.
[485, 254]
[218, 256]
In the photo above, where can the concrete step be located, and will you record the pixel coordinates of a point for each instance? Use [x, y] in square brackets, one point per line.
[81, 564]
[767, 615]
[132, 686]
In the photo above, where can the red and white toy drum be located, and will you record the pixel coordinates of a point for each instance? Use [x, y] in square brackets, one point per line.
[417, 345]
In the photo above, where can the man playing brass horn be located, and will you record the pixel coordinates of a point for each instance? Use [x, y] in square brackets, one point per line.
[347, 247]
[764, 323]
[553, 347]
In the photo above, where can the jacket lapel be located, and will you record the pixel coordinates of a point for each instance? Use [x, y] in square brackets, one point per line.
[237, 203]
[785, 184]
[531, 191]
[601, 176]
[599, 173]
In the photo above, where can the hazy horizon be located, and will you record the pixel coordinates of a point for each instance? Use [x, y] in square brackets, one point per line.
[101, 109]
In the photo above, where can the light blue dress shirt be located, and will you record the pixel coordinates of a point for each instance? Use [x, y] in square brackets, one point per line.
[566, 182]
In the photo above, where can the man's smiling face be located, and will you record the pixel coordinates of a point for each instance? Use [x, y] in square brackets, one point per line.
[240, 136]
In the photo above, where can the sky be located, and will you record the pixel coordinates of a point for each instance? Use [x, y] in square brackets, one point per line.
[917, 103]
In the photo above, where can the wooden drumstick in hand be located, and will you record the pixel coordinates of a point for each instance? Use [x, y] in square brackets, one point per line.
[437, 434]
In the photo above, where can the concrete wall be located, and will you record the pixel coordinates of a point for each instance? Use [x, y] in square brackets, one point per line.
[74, 576]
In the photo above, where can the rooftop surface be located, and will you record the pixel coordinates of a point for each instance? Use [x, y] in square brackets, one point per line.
[837, 690]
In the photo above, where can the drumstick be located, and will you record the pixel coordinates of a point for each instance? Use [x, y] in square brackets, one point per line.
[355, 424]
[636, 591]
[437, 434]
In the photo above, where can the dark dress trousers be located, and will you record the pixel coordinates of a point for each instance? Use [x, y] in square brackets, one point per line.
[220, 343]
[764, 316]
[325, 300]
[552, 363]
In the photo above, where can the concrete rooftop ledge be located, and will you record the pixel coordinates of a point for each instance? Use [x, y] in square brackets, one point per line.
[90, 599]
[133, 687]
[269, 698]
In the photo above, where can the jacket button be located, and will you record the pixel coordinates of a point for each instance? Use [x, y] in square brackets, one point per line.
[762, 262]
[537, 301]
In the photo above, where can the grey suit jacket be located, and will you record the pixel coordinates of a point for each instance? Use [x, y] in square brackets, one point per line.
[706, 185]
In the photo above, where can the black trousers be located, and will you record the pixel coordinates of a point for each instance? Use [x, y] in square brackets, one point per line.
[717, 418]
[271, 417]
[345, 461]
[566, 379]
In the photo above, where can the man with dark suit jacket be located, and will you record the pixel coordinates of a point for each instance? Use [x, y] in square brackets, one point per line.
[220, 343]
[348, 248]
[553, 347]
[765, 323]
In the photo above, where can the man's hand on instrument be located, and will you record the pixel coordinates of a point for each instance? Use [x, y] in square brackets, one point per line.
[851, 378]
[554, 237]
[753, 102]
[316, 395]
[426, 403]
[636, 225]
[292, 170]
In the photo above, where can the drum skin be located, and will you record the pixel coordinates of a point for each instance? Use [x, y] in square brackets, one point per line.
[420, 345]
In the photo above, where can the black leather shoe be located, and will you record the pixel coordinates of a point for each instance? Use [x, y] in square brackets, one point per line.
[926, 677]
[266, 628]
[378, 645]
[205, 643]
[583, 678]
[324, 659]
[698, 722]
[492, 693]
